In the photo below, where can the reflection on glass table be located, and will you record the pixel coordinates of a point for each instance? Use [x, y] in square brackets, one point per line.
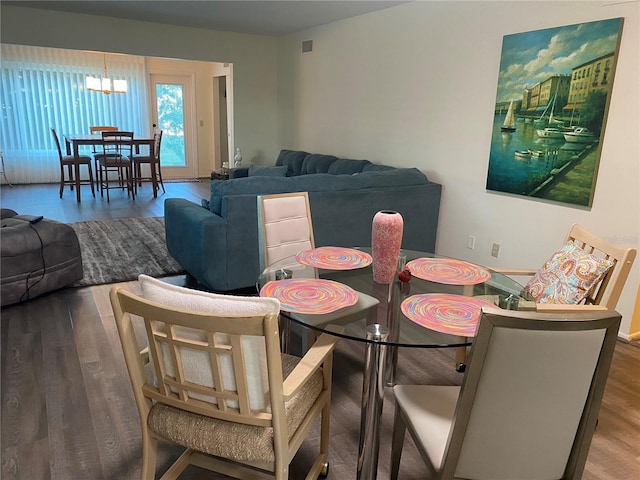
[389, 324]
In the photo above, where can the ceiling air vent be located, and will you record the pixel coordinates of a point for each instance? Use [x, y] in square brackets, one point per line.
[307, 46]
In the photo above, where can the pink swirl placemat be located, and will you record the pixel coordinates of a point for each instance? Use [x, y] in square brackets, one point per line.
[448, 271]
[445, 313]
[310, 295]
[334, 258]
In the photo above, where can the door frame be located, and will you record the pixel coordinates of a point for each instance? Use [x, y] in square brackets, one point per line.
[188, 81]
[223, 72]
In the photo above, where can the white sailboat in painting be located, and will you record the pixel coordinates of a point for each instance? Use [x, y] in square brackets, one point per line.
[509, 124]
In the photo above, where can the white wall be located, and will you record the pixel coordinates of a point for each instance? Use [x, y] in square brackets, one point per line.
[253, 58]
[415, 85]
[412, 85]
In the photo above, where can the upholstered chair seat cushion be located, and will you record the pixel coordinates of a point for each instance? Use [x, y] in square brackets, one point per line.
[229, 439]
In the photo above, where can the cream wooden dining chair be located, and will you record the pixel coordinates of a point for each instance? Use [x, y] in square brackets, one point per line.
[528, 404]
[558, 287]
[220, 386]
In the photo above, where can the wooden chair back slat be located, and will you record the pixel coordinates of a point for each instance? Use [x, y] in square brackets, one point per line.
[175, 338]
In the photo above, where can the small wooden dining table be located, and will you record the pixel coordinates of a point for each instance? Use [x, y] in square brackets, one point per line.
[74, 140]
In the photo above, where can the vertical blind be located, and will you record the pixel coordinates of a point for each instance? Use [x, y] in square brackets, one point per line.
[44, 88]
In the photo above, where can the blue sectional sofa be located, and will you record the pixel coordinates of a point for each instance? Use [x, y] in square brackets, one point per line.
[217, 242]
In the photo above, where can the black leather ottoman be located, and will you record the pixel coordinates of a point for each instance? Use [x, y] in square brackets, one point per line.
[37, 256]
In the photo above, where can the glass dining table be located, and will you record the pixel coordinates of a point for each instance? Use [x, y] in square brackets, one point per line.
[436, 307]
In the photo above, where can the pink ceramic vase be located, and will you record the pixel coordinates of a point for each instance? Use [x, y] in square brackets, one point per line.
[386, 238]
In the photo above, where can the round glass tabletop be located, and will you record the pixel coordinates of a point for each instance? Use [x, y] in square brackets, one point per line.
[431, 297]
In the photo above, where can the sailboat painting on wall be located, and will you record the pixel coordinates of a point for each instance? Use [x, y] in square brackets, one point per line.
[552, 100]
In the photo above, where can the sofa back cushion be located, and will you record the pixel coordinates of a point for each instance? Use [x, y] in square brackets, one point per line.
[257, 185]
[346, 166]
[396, 177]
[317, 163]
[293, 160]
[267, 171]
[375, 167]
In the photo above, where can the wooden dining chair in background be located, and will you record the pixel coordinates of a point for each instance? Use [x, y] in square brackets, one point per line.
[100, 128]
[153, 161]
[97, 130]
[70, 162]
[117, 149]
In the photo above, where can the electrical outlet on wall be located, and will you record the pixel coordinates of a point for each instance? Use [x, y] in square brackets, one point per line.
[495, 250]
[471, 242]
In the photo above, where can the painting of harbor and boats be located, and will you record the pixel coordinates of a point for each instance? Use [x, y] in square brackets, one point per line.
[552, 100]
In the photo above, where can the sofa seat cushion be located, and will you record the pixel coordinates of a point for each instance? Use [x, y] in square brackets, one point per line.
[346, 166]
[317, 163]
[293, 160]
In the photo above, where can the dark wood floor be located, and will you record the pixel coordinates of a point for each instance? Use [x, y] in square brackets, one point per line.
[68, 411]
[44, 200]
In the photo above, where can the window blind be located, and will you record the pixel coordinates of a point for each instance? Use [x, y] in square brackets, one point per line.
[43, 88]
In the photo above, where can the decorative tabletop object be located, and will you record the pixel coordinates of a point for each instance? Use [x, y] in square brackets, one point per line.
[386, 238]
[237, 158]
[445, 313]
[334, 258]
[448, 271]
[310, 295]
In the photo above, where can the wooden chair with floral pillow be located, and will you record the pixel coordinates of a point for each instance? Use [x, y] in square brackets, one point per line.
[587, 272]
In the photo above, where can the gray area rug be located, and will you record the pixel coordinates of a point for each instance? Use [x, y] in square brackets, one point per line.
[120, 250]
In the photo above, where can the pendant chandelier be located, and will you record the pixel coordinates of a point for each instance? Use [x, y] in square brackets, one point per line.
[105, 84]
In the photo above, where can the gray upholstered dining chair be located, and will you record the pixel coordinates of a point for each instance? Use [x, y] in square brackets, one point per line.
[152, 159]
[528, 404]
[97, 130]
[69, 162]
[117, 149]
[218, 383]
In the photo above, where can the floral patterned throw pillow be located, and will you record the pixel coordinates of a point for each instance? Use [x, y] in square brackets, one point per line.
[567, 276]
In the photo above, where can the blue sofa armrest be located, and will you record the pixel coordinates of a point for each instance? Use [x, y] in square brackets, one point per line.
[195, 237]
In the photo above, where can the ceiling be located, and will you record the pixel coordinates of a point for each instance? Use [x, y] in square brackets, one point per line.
[266, 17]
